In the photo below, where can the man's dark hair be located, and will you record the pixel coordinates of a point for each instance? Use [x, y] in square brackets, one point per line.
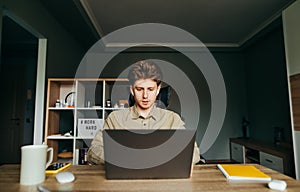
[145, 69]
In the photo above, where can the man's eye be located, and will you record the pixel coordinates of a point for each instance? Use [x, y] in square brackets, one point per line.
[138, 89]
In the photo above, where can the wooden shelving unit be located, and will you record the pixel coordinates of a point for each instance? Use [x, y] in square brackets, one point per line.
[84, 99]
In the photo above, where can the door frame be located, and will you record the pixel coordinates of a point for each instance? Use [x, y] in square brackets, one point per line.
[40, 77]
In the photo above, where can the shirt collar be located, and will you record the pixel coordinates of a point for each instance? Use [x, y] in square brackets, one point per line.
[154, 113]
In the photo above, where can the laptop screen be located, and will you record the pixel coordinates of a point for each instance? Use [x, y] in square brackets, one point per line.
[142, 154]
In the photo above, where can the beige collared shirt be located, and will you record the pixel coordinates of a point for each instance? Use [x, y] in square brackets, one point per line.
[129, 118]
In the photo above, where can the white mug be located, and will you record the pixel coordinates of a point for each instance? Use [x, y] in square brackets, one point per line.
[34, 164]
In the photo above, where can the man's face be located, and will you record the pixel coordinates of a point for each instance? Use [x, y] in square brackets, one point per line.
[145, 92]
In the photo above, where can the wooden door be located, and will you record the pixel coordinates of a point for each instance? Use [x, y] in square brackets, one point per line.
[295, 91]
[17, 69]
[12, 112]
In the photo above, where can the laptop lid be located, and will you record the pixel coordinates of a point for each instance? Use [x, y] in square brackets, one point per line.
[148, 154]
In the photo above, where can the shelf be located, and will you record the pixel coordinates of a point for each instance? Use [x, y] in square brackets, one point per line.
[89, 108]
[59, 137]
[253, 159]
[112, 108]
[64, 137]
[252, 155]
[61, 108]
[90, 92]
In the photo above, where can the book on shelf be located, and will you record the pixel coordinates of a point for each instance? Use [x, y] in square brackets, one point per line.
[81, 156]
[242, 172]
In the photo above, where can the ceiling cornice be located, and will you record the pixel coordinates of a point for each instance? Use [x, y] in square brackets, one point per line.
[252, 34]
[92, 18]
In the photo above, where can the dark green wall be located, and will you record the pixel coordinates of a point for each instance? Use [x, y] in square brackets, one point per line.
[231, 64]
[267, 89]
[233, 70]
[255, 76]
[64, 53]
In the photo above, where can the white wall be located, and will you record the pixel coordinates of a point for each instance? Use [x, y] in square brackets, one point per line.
[291, 26]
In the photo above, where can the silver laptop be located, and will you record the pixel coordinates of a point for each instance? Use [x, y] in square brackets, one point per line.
[148, 154]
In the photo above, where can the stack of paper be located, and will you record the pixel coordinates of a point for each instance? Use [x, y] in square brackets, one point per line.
[241, 172]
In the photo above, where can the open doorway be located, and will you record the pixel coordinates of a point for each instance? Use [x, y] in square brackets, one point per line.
[19, 71]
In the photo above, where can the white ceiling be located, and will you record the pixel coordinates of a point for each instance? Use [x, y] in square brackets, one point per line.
[214, 22]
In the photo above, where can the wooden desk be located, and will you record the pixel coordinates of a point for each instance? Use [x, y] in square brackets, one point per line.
[91, 178]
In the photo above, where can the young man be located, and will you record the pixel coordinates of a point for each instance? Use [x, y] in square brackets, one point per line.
[145, 83]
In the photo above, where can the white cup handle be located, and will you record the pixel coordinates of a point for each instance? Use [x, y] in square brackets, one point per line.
[50, 151]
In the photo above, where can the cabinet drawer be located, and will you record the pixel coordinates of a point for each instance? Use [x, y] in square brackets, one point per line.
[271, 161]
[237, 152]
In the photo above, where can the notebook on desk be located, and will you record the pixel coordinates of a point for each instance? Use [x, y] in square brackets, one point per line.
[148, 154]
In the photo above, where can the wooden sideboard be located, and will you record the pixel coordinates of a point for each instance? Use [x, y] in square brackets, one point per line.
[277, 157]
